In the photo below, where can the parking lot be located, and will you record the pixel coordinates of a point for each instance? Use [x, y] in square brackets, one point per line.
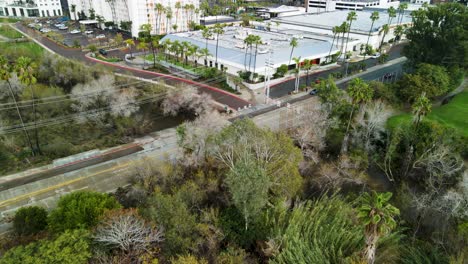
[73, 35]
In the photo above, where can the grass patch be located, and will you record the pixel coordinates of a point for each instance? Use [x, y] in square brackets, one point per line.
[9, 20]
[454, 115]
[9, 32]
[112, 59]
[15, 50]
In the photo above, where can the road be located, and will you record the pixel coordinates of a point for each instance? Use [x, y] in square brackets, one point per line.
[282, 89]
[218, 95]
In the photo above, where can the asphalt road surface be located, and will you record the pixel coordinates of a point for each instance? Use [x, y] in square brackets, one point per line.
[282, 89]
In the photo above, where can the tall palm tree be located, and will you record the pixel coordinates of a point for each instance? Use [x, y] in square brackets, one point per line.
[256, 40]
[307, 65]
[401, 12]
[25, 69]
[385, 29]
[336, 30]
[73, 10]
[143, 46]
[398, 32]
[293, 44]
[218, 30]
[166, 45]
[185, 49]
[159, 8]
[248, 43]
[5, 75]
[378, 216]
[374, 16]
[421, 107]
[297, 71]
[344, 27]
[168, 18]
[360, 93]
[391, 14]
[178, 6]
[205, 52]
[350, 18]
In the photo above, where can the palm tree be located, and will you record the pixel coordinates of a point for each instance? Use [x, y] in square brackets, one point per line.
[5, 75]
[378, 216]
[25, 69]
[297, 71]
[307, 65]
[386, 29]
[391, 14]
[100, 20]
[401, 10]
[143, 46]
[360, 93]
[159, 8]
[168, 18]
[344, 27]
[248, 41]
[205, 52]
[218, 30]
[178, 6]
[166, 45]
[336, 30]
[192, 51]
[293, 44]
[256, 40]
[350, 18]
[73, 10]
[185, 49]
[421, 107]
[374, 16]
[398, 32]
[130, 44]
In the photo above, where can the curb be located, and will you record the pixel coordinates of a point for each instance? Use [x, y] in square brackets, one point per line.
[197, 84]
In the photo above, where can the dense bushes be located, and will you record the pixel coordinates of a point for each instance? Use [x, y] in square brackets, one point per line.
[30, 220]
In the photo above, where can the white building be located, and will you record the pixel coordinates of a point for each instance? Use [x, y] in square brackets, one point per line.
[141, 12]
[234, 55]
[31, 8]
[323, 24]
[313, 6]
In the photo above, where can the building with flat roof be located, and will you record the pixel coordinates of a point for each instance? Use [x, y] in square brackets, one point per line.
[232, 50]
[332, 5]
[141, 12]
[31, 8]
[323, 23]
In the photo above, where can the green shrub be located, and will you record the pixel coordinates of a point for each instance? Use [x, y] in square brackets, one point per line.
[30, 220]
[80, 209]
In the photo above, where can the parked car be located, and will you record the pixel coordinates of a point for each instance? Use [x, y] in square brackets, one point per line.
[375, 55]
[63, 28]
[59, 25]
[44, 30]
[103, 52]
[313, 91]
[101, 36]
[88, 32]
[75, 31]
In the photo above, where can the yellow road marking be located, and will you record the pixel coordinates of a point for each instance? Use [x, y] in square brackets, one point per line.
[53, 187]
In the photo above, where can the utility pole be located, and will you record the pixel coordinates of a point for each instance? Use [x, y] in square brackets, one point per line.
[269, 65]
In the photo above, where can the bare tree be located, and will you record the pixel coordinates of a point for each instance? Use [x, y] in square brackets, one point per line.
[97, 99]
[186, 101]
[371, 122]
[192, 136]
[128, 232]
[310, 129]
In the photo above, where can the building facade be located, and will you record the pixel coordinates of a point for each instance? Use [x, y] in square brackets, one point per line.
[31, 8]
[165, 16]
[332, 5]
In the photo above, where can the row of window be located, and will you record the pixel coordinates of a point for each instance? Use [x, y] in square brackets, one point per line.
[30, 12]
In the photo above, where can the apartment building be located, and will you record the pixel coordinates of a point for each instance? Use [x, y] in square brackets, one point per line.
[31, 8]
[165, 16]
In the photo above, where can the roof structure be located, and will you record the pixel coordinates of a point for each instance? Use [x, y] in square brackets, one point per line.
[231, 46]
[330, 19]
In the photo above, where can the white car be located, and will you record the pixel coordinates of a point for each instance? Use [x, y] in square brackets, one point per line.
[63, 28]
[101, 36]
[45, 30]
[59, 25]
[88, 32]
[375, 55]
[75, 31]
